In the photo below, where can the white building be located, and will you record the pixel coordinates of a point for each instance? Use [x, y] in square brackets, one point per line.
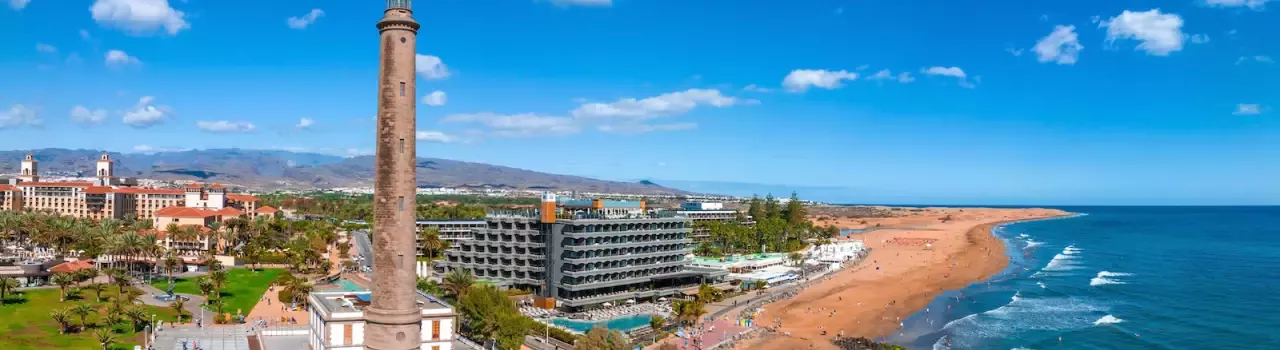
[337, 321]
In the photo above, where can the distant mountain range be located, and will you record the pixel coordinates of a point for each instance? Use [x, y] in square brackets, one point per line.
[269, 170]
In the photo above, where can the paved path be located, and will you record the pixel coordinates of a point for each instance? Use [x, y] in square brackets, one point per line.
[268, 308]
[208, 338]
[192, 306]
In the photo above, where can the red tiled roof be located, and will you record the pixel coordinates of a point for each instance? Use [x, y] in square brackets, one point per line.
[241, 197]
[72, 266]
[147, 190]
[184, 212]
[55, 184]
[98, 190]
[266, 209]
[217, 186]
[230, 211]
[161, 233]
[8, 188]
[194, 185]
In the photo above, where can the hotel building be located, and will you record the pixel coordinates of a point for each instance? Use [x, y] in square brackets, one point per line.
[449, 230]
[583, 253]
[706, 211]
[338, 321]
[110, 197]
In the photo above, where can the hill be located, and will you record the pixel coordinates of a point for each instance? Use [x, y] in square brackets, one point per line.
[271, 170]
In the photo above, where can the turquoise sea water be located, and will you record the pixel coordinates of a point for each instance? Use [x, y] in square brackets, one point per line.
[1121, 278]
[624, 323]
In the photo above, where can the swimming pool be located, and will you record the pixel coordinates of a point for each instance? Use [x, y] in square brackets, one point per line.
[624, 323]
[348, 286]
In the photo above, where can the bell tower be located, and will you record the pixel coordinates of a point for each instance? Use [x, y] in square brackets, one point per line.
[393, 316]
[30, 170]
[106, 167]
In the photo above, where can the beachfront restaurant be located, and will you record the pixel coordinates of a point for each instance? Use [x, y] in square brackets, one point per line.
[772, 276]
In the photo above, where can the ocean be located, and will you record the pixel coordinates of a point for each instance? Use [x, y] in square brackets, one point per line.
[1120, 278]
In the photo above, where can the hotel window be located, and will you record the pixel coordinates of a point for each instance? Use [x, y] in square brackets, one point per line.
[346, 334]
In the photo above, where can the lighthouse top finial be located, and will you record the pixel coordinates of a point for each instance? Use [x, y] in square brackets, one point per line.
[398, 4]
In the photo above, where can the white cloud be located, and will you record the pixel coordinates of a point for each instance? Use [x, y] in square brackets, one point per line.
[144, 114]
[305, 123]
[305, 20]
[431, 67]
[586, 3]
[801, 79]
[1013, 51]
[1199, 38]
[1159, 33]
[19, 115]
[82, 115]
[518, 125]
[148, 149]
[753, 87]
[1248, 109]
[1252, 4]
[225, 126]
[139, 16]
[18, 4]
[1258, 58]
[1062, 46]
[667, 104]
[435, 98]
[885, 74]
[118, 59]
[433, 136]
[944, 71]
[46, 48]
[637, 128]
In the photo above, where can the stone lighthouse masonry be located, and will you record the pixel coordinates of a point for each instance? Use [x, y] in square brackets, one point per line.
[394, 318]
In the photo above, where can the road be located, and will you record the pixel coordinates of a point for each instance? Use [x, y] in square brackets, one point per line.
[364, 247]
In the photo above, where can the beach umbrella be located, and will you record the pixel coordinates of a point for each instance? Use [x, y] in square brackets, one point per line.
[631, 301]
[607, 304]
[662, 299]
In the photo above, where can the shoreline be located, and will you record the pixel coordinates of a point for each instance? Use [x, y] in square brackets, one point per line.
[872, 303]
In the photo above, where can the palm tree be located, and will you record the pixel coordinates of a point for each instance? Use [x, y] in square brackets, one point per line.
[88, 274]
[299, 289]
[113, 318]
[105, 337]
[62, 317]
[63, 280]
[205, 285]
[7, 284]
[97, 289]
[178, 306]
[430, 243]
[83, 311]
[458, 281]
[171, 263]
[136, 315]
[219, 280]
[121, 280]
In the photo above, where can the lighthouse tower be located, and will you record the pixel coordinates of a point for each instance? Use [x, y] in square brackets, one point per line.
[393, 316]
[30, 170]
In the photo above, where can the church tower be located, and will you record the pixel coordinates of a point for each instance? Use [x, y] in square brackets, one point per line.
[393, 316]
[30, 171]
[106, 168]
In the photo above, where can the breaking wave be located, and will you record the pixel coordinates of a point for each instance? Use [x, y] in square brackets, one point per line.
[1108, 319]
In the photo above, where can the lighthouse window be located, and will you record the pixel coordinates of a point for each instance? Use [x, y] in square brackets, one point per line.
[401, 145]
[401, 203]
[402, 88]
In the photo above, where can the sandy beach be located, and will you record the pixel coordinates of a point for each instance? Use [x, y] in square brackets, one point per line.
[915, 256]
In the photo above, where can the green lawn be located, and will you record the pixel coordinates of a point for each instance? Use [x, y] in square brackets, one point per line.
[243, 288]
[26, 325]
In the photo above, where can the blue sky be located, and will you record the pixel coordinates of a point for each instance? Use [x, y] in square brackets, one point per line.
[1080, 102]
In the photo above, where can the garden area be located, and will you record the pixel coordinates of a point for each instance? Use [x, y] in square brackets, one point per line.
[38, 319]
[240, 290]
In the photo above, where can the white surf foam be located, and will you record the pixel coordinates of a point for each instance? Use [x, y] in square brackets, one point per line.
[1042, 286]
[1032, 243]
[1021, 314]
[1023, 235]
[1108, 319]
[1108, 277]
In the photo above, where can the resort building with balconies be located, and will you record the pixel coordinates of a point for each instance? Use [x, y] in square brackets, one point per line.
[583, 253]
